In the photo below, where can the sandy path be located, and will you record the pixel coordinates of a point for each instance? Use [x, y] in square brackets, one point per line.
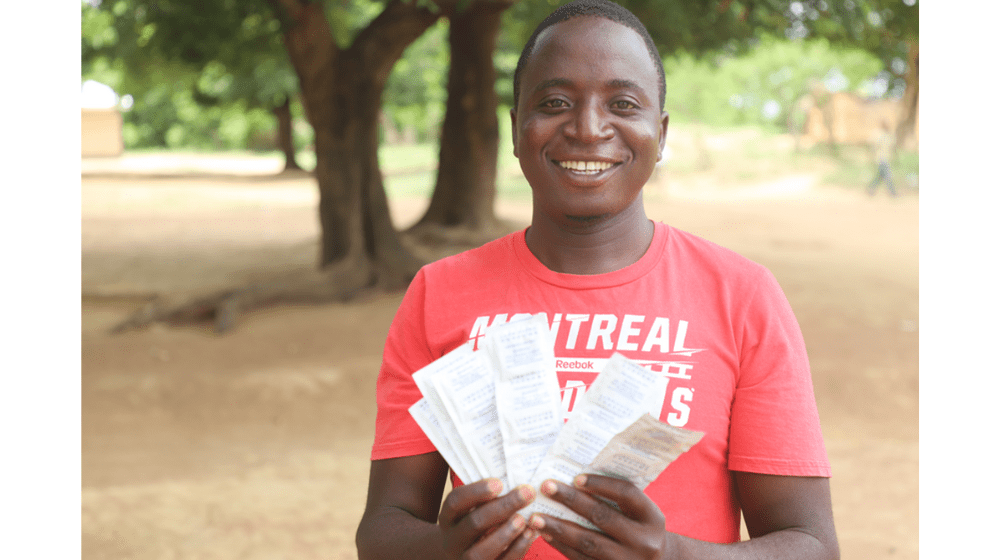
[255, 445]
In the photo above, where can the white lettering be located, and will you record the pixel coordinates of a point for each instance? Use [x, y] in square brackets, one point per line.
[554, 326]
[602, 327]
[680, 418]
[570, 394]
[682, 330]
[628, 331]
[659, 335]
[481, 324]
[574, 328]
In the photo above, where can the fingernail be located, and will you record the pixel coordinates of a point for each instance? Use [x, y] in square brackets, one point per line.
[537, 522]
[548, 488]
[526, 493]
[547, 537]
[531, 535]
[580, 481]
[518, 522]
[495, 486]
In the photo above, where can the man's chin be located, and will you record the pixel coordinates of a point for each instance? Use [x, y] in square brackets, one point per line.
[586, 219]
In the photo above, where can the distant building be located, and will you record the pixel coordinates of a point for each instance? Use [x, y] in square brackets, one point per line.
[853, 119]
[100, 121]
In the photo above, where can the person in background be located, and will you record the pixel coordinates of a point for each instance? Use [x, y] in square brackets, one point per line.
[883, 145]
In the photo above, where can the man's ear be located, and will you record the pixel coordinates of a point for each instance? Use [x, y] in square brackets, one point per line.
[664, 119]
[513, 129]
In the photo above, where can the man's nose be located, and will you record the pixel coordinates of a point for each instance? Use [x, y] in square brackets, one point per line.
[590, 124]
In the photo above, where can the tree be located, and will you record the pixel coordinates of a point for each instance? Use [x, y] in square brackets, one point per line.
[889, 29]
[342, 85]
[462, 201]
[222, 53]
[342, 80]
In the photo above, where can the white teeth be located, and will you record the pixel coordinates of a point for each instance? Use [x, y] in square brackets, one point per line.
[590, 167]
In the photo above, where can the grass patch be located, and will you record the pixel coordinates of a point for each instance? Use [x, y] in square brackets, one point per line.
[726, 156]
[854, 167]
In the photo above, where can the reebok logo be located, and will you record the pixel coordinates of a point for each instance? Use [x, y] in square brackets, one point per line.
[575, 364]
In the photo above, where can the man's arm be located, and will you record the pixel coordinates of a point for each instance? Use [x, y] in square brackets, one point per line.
[402, 507]
[401, 516]
[787, 517]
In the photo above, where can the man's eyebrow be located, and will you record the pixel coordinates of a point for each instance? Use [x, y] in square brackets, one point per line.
[621, 83]
[554, 82]
[617, 83]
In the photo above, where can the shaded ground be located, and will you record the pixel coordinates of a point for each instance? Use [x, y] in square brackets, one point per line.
[255, 445]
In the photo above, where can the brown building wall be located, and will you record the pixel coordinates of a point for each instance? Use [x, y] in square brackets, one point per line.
[101, 131]
[854, 120]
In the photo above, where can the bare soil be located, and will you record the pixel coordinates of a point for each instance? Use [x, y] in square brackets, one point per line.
[255, 444]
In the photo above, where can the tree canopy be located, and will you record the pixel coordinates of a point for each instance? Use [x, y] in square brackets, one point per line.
[340, 57]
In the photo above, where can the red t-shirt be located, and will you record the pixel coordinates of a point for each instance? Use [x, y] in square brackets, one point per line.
[715, 324]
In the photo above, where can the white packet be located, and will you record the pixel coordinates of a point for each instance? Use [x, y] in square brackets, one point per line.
[449, 431]
[431, 425]
[642, 451]
[466, 388]
[527, 393]
[618, 397]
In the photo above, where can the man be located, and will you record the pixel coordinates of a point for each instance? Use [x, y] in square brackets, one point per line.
[883, 145]
[588, 128]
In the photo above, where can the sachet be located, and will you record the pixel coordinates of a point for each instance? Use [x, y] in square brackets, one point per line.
[617, 399]
[528, 402]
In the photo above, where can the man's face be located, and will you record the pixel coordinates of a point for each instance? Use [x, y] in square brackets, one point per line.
[588, 128]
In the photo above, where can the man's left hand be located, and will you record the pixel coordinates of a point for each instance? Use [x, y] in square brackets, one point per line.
[636, 531]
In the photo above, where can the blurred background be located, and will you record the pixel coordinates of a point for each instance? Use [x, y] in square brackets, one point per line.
[233, 308]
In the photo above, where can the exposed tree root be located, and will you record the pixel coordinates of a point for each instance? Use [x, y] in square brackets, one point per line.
[345, 280]
[341, 282]
[431, 241]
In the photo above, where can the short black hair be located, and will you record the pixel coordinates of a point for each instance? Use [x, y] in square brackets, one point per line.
[598, 8]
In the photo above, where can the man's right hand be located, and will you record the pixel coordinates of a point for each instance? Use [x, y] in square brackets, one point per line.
[477, 523]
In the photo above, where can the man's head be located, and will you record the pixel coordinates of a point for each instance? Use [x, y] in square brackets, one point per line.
[598, 8]
[588, 128]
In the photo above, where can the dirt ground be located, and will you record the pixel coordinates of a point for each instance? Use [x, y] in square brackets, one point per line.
[255, 444]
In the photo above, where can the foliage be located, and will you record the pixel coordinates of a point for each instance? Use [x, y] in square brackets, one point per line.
[732, 27]
[762, 86]
[416, 92]
[203, 73]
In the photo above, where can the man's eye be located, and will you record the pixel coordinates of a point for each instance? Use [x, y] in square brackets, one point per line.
[623, 105]
[555, 104]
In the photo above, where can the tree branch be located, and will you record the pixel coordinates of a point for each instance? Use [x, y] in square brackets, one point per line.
[381, 44]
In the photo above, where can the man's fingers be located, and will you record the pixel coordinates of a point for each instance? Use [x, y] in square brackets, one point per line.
[509, 541]
[520, 545]
[598, 512]
[630, 500]
[573, 541]
[464, 498]
[488, 525]
[494, 512]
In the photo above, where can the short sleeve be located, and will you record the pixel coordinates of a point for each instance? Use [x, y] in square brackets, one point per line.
[774, 426]
[406, 351]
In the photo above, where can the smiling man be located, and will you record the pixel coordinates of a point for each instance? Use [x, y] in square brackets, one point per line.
[588, 127]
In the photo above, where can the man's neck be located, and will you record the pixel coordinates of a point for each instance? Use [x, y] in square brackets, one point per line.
[596, 246]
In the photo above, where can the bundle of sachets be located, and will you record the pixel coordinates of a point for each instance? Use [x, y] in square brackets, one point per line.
[496, 413]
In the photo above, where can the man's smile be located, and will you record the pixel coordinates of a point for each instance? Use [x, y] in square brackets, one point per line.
[586, 167]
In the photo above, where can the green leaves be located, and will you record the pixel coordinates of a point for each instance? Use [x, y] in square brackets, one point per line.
[763, 85]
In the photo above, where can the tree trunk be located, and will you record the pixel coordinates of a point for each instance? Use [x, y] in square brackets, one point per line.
[466, 182]
[343, 91]
[342, 94]
[283, 113]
